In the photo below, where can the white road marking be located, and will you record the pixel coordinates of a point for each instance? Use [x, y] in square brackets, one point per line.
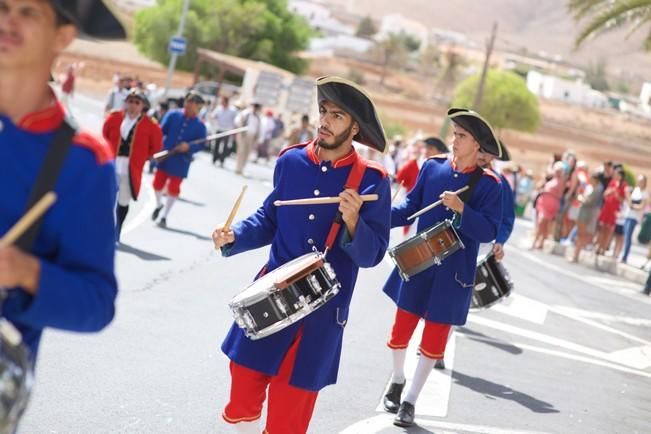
[636, 357]
[639, 322]
[379, 423]
[524, 308]
[434, 398]
[145, 211]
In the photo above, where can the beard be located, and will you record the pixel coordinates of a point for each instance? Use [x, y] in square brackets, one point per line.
[338, 139]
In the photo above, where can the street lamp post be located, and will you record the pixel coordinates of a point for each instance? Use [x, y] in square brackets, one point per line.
[175, 55]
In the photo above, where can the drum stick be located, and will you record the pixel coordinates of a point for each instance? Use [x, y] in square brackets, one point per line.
[435, 204]
[397, 191]
[322, 200]
[231, 216]
[30, 217]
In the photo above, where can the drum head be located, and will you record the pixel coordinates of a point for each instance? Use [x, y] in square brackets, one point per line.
[260, 288]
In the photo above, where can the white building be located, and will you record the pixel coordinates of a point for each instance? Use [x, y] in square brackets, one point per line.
[319, 18]
[331, 45]
[396, 23]
[645, 96]
[573, 92]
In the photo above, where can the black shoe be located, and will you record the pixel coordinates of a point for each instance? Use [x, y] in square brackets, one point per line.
[162, 223]
[439, 364]
[157, 211]
[405, 416]
[391, 400]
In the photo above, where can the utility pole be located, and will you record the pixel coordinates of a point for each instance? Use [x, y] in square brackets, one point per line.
[175, 55]
[482, 80]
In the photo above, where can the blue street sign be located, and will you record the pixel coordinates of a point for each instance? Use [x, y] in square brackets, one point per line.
[177, 45]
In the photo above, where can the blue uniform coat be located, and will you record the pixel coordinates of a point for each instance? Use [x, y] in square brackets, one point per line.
[76, 242]
[294, 231]
[179, 128]
[442, 293]
[508, 212]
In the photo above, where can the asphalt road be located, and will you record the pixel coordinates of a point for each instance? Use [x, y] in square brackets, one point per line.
[568, 352]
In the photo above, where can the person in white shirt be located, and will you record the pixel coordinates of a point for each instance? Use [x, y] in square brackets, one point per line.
[223, 119]
[118, 95]
[638, 201]
[248, 140]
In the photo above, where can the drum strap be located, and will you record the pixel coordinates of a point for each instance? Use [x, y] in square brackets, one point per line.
[353, 181]
[472, 182]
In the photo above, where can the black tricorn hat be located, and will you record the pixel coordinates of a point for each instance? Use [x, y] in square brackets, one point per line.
[139, 94]
[355, 101]
[478, 127]
[91, 17]
[506, 155]
[437, 143]
[194, 96]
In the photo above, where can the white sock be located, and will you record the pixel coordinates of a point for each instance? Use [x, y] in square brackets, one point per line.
[423, 369]
[252, 427]
[398, 365]
[168, 205]
[159, 198]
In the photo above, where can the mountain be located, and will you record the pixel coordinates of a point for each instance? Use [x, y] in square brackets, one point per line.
[539, 26]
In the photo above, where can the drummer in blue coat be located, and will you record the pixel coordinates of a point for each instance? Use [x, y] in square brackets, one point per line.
[59, 274]
[300, 360]
[179, 128]
[441, 294]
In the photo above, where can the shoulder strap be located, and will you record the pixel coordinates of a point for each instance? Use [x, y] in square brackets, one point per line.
[47, 178]
[353, 181]
[472, 182]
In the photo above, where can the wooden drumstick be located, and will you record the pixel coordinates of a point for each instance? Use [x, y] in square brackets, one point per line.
[322, 200]
[30, 217]
[397, 191]
[435, 204]
[231, 216]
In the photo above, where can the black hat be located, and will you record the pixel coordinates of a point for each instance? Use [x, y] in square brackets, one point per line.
[139, 94]
[354, 100]
[194, 96]
[91, 17]
[506, 155]
[478, 127]
[437, 143]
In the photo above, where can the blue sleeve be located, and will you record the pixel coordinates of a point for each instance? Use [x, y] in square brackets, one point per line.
[371, 237]
[414, 200]
[481, 222]
[259, 229]
[77, 288]
[201, 133]
[166, 122]
[508, 213]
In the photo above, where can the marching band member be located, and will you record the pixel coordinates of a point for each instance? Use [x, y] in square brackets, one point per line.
[60, 273]
[179, 127]
[301, 359]
[441, 294]
[134, 138]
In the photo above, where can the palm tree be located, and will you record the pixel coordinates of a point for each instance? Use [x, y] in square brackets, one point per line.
[606, 15]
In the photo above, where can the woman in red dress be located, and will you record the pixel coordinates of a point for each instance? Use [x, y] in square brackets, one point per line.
[613, 197]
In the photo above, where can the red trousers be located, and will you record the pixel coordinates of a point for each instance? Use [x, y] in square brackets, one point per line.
[289, 408]
[433, 341]
[174, 185]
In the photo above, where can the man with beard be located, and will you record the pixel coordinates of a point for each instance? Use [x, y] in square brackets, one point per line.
[298, 361]
[60, 273]
[134, 138]
[441, 294]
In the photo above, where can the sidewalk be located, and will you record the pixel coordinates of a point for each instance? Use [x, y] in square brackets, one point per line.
[631, 271]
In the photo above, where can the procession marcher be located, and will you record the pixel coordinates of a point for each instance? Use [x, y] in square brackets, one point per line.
[134, 138]
[441, 294]
[303, 358]
[179, 127]
[60, 273]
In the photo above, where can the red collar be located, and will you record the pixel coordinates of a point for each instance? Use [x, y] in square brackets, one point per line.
[346, 160]
[45, 120]
[469, 169]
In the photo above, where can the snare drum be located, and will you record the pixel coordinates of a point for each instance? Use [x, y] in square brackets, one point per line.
[426, 248]
[284, 296]
[492, 283]
[16, 377]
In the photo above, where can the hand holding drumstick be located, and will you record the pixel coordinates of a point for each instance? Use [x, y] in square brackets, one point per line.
[223, 234]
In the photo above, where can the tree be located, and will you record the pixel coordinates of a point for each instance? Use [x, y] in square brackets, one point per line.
[607, 15]
[595, 75]
[451, 67]
[255, 29]
[366, 28]
[391, 51]
[506, 103]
